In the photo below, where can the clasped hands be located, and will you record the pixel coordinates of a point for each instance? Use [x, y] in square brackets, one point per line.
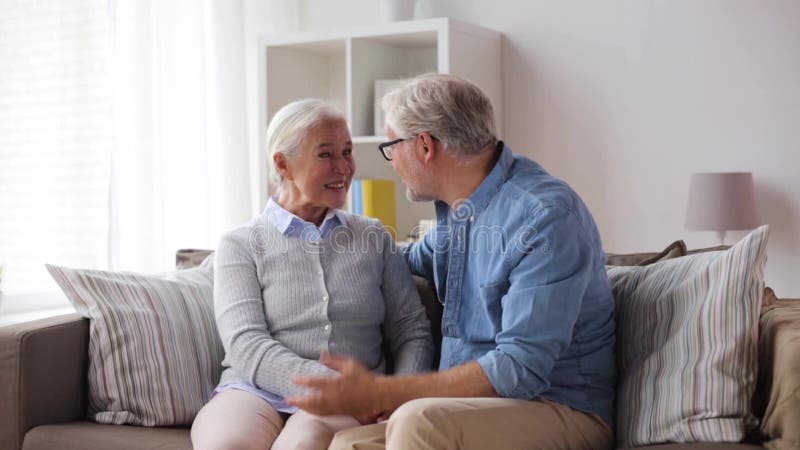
[354, 391]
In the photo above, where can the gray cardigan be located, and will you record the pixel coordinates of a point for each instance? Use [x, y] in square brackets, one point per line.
[280, 300]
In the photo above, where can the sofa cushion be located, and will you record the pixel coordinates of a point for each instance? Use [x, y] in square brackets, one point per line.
[686, 345]
[154, 352]
[95, 436]
[434, 311]
[674, 250]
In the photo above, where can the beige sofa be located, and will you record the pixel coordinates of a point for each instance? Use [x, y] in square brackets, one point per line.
[43, 386]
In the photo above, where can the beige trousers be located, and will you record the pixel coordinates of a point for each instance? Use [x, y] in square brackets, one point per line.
[239, 420]
[480, 423]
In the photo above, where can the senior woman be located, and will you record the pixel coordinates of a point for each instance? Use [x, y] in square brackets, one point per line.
[301, 279]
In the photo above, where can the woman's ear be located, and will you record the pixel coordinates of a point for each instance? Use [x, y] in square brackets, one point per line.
[281, 164]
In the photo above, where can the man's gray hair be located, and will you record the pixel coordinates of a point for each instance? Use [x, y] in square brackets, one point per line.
[452, 109]
[290, 125]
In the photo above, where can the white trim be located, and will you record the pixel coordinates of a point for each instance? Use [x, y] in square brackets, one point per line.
[373, 31]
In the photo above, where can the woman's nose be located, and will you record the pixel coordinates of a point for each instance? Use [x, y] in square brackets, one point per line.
[342, 165]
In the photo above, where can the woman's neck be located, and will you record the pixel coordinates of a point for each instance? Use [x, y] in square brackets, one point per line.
[291, 201]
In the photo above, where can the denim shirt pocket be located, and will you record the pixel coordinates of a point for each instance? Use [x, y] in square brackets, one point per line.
[487, 315]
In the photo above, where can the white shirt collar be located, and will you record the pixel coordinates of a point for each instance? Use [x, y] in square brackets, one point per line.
[283, 220]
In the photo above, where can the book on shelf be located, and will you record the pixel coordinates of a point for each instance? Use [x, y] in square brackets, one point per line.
[374, 198]
[356, 203]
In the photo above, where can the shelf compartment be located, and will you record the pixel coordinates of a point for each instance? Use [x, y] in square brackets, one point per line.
[308, 69]
[386, 57]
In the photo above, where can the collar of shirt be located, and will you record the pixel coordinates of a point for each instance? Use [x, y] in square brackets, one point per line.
[292, 226]
[479, 200]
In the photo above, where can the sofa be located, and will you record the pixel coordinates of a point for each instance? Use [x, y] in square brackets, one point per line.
[43, 383]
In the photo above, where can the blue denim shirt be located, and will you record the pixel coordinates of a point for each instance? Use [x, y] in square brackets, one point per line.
[519, 267]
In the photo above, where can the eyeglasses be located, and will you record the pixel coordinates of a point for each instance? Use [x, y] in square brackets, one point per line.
[386, 151]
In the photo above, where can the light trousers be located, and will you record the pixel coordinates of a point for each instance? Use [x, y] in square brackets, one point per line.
[239, 420]
[479, 424]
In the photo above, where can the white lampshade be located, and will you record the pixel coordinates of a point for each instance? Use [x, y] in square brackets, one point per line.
[722, 201]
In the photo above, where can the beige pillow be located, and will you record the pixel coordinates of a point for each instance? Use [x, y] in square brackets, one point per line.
[154, 352]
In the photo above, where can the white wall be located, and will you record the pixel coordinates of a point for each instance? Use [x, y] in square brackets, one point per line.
[626, 99]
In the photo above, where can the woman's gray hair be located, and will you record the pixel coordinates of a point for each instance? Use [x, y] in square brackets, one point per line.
[452, 109]
[290, 125]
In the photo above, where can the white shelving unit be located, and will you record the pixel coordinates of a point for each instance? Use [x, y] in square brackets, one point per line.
[342, 66]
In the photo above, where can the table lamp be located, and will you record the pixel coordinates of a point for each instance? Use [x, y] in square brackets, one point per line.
[722, 201]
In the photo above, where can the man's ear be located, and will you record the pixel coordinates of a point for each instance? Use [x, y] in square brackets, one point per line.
[279, 160]
[428, 149]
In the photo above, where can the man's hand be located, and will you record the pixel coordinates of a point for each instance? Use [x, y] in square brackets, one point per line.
[369, 419]
[360, 393]
[354, 391]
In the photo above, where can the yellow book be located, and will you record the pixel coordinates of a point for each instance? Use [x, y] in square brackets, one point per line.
[378, 202]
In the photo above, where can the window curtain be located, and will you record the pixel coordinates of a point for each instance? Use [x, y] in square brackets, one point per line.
[122, 133]
[179, 175]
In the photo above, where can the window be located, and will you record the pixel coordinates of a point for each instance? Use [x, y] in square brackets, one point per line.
[55, 139]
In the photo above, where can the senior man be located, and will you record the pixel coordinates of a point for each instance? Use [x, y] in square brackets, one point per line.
[527, 358]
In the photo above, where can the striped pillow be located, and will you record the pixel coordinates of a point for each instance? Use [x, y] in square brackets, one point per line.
[686, 345]
[154, 352]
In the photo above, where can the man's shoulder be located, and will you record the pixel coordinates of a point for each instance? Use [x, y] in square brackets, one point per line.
[535, 198]
[533, 189]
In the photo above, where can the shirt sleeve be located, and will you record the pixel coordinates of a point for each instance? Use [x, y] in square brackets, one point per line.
[406, 326]
[239, 309]
[545, 291]
[419, 255]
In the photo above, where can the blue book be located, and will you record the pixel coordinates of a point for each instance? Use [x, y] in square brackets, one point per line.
[358, 203]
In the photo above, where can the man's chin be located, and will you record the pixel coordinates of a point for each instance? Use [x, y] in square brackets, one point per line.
[417, 197]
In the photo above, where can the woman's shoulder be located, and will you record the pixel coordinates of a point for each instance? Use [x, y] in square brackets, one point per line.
[245, 231]
[358, 222]
[367, 227]
[367, 233]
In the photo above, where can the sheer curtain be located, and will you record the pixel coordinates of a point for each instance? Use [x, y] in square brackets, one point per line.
[122, 133]
[179, 163]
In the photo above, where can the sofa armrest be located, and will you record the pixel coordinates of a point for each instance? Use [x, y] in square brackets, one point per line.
[777, 397]
[42, 375]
